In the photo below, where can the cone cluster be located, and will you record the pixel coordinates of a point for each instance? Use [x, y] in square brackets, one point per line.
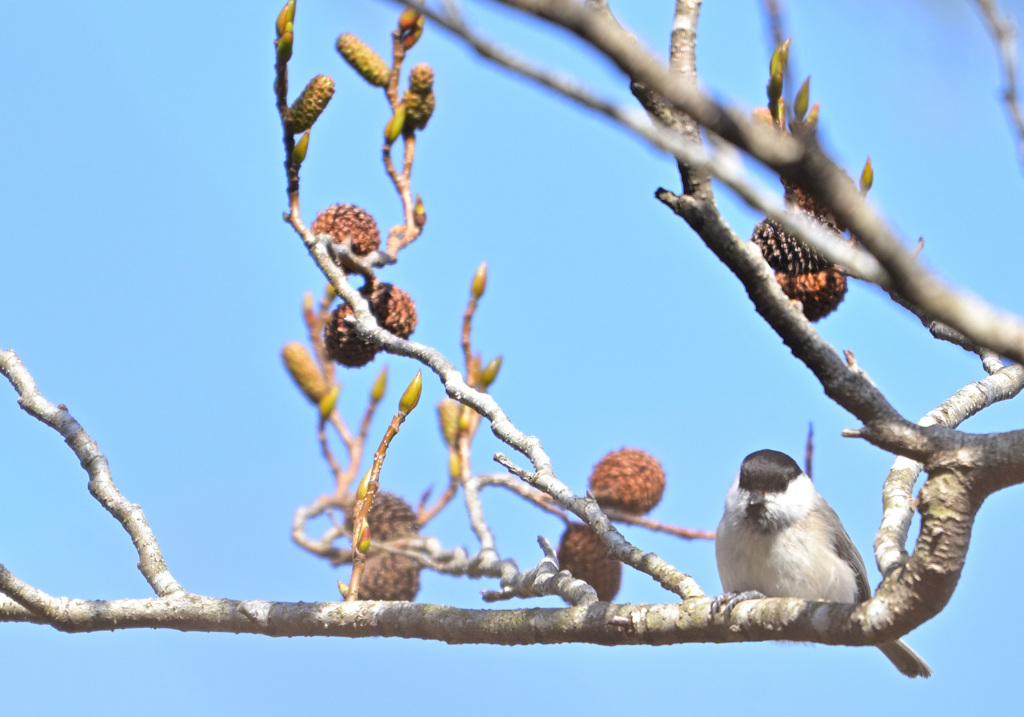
[394, 310]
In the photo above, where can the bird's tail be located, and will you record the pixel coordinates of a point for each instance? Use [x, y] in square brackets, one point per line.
[906, 660]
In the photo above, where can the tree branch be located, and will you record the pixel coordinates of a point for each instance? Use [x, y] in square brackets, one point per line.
[101, 483]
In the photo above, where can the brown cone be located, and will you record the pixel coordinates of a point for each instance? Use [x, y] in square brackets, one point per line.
[629, 479]
[804, 274]
[394, 310]
[349, 224]
[583, 554]
[387, 576]
[389, 517]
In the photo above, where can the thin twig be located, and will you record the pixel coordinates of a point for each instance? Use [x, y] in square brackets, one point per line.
[1004, 34]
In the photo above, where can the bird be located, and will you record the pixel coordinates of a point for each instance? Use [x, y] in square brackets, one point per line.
[779, 538]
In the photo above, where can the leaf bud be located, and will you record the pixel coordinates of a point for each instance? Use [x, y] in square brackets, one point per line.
[380, 384]
[479, 281]
[412, 394]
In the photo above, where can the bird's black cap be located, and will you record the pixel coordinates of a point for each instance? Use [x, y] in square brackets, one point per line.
[768, 471]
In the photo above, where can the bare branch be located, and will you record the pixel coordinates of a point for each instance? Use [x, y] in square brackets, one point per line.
[1004, 34]
[897, 494]
[101, 483]
[545, 579]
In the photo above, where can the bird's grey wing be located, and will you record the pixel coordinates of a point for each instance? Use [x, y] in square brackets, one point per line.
[848, 552]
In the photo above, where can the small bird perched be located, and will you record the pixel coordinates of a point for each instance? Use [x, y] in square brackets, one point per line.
[779, 538]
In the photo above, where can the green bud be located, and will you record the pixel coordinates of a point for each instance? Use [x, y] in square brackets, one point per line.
[343, 589]
[299, 153]
[364, 537]
[411, 36]
[327, 402]
[364, 486]
[285, 17]
[454, 464]
[284, 47]
[419, 213]
[412, 394]
[867, 177]
[448, 417]
[310, 103]
[370, 66]
[802, 99]
[479, 281]
[379, 385]
[774, 88]
[812, 117]
[395, 125]
[490, 372]
[408, 19]
[780, 58]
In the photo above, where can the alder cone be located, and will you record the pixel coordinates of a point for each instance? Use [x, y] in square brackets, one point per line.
[387, 576]
[342, 344]
[583, 554]
[394, 310]
[389, 517]
[349, 224]
[628, 479]
[804, 274]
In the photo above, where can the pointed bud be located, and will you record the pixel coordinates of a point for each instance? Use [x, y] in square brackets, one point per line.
[490, 372]
[774, 89]
[412, 394]
[867, 177]
[330, 293]
[812, 117]
[370, 66]
[780, 112]
[465, 416]
[327, 402]
[479, 281]
[448, 417]
[343, 589]
[395, 125]
[364, 486]
[454, 464]
[304, 371]
[364, 538]
[379, 385]
[307, 309]
[419, 213]
[408, 19]
[780, 58]
[803, 96]
[299, 152]
[284, 47]
[310, 103]
[285, 17]
[411, 36]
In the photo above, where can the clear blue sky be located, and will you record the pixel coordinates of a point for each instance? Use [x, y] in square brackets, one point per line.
[148, 283]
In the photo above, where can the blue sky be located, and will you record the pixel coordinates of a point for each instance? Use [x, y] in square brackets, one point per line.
[149, 283]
